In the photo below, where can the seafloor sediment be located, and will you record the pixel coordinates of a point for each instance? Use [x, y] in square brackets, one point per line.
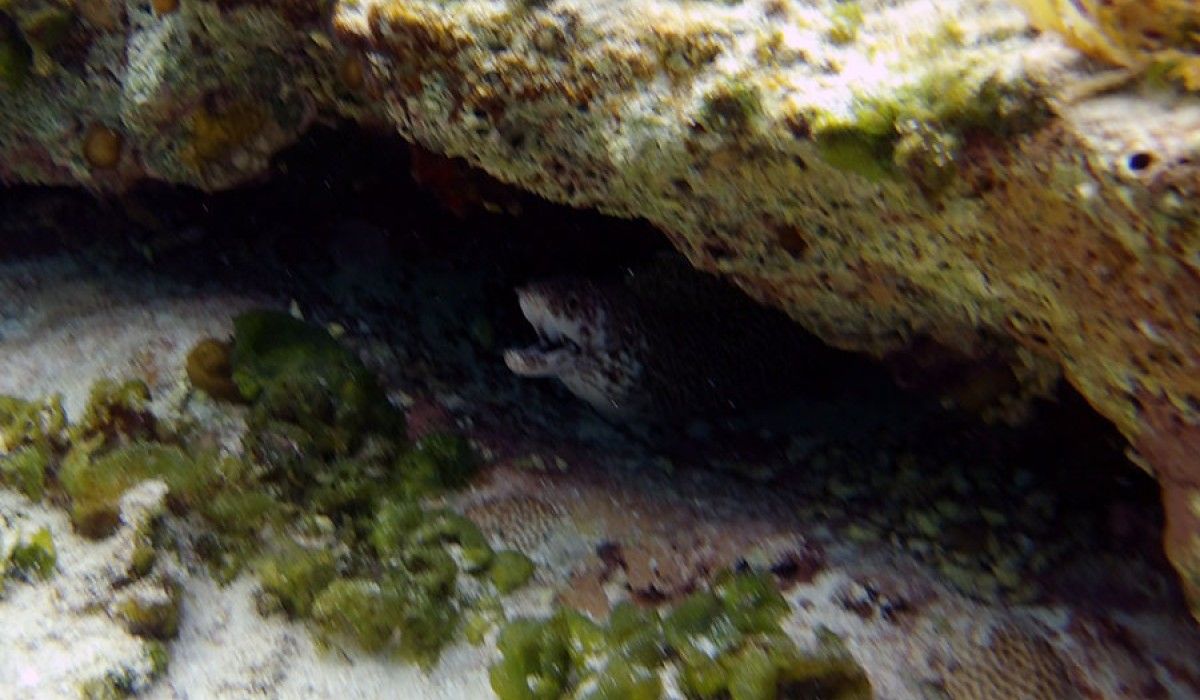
[952, 559]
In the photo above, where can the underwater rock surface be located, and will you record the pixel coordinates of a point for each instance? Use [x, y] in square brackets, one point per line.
[886, 549]
[886, 172]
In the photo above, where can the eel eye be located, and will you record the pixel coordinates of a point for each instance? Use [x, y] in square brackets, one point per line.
[572, 305]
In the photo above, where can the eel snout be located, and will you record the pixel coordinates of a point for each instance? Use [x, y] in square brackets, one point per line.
[559, 335]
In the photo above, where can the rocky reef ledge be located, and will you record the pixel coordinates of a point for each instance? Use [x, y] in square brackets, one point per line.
[896, 174]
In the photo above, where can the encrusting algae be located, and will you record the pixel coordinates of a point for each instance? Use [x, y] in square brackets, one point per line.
[33, 557]
[208, 369]
[722, 643]
[330, 505]
[325, 504]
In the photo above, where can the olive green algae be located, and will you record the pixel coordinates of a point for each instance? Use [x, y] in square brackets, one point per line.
[153, 614]
[25, 470]
[33, 557]
[128, 681]
[294, 371]
[295, 576]
[38, 423]
[95, 485]
[510, 570]
[323, 437]
[329, 503]
[917, 131]
[724, 642]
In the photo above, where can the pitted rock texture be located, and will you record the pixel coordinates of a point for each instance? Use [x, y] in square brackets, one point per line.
[202, 93]
[887, 171]
[900, 176]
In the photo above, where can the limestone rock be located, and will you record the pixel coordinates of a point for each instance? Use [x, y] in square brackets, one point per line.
[889, 172]
[915, 172]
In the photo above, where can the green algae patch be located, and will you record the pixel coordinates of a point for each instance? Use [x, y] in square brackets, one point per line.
[403, 596]
[438, 462]
[40, 423]
[143, 558]
[324, 459]
[856, 152]
[917, 130]
[361, 610]
[389, 614]
[95, 485]
[298, 374]
[403, 529]
[35, 557]
[210, 368]
[510, 570]
[152, 616]
[116, 410]
[270, 347]
[536, 661]
[846, 19]
[296, 576]
[241, 512]
[326, 446]
[722, 643]
[25, 470]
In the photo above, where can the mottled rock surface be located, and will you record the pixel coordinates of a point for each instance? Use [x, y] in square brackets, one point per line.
[886, 171]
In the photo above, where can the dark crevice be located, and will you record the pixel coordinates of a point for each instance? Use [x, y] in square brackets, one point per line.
[343, 200]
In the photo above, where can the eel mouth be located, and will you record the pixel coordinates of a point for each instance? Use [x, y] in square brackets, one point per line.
[557, 350]
[547, 358]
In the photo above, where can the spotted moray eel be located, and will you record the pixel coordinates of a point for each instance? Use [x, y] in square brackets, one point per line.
[662, 341]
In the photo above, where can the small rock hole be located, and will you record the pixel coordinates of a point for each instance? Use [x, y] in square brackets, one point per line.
[1140, 161]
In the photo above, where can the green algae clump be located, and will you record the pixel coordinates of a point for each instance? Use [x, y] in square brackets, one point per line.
[155, 617]
[846, 19]
[390, 614]
[536, 661]
[116, 410]
[25, 470]
[723, 643]
[40, 423]
[34, 557]
[359, 609]
[324, 441]
[402, 528]
[407, 600]
[918, 129]
[438, 462]
[510, 570]
[96, 485]
[857, 152]
[271, 345]
[325, 455]
[295, 577]
[297, 373]
[210, 369]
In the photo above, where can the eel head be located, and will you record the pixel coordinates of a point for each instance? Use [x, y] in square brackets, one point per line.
[580, 342]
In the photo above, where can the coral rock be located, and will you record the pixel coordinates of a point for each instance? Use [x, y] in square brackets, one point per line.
[914, 171]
